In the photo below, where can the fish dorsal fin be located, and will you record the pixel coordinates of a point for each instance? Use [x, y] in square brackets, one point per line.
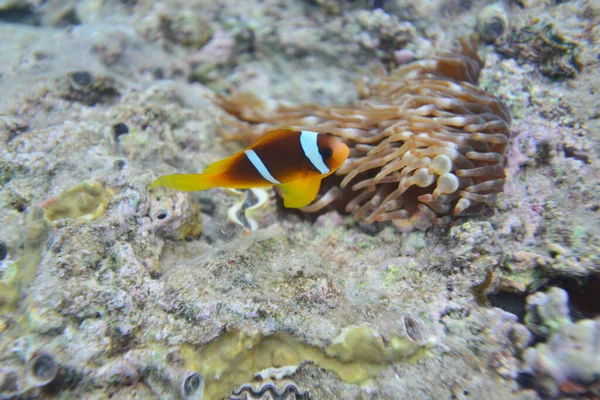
[223, 165]
[273, 135]
[300, 192]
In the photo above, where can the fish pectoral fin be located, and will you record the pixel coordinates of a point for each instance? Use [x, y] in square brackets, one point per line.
[300, 192]
[186, 182]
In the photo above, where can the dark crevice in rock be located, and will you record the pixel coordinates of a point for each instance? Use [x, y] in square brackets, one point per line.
[513, 303]
[23, 14]
[583, 296]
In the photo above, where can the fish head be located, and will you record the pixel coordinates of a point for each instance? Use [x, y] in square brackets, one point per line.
[333, 151]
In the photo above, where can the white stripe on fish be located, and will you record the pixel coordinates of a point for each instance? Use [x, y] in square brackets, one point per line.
[308, 141]
[260, 167]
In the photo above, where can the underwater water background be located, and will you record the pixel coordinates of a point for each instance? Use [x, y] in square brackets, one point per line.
[454, 255]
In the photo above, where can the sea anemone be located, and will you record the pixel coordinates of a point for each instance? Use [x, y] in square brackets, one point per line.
[426, 143]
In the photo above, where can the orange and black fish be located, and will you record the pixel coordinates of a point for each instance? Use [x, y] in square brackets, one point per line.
[294, 161]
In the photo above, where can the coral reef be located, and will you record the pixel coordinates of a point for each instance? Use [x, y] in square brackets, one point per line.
[492, 23]
[569, 361]
[426, 142]
[83, 87]
[540, 42]
[547, 312]
[122, 293]
[173, 215]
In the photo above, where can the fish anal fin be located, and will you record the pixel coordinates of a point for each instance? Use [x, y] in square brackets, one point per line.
[300, 193]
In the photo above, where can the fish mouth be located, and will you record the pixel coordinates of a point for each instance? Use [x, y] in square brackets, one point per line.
[341, 151]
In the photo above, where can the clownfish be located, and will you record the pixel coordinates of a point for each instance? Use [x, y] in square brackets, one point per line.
[294, 161]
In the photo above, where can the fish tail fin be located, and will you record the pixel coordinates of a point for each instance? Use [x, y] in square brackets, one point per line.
[186, 182]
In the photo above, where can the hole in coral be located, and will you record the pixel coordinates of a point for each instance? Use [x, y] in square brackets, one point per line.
[193, 384]
[82, 78]
[370, 229]
[3, 251]
[158, 73]
[576, 154]
[20, 206]
[544, 153]
[493, 29]
[119, 164]
[207, 205]
[513, 303]
[20, 15]
[525, 380]
[44, 367]
[161, 215]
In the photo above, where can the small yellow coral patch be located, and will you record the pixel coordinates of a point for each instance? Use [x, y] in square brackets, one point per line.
[86, 201]
[357, 355]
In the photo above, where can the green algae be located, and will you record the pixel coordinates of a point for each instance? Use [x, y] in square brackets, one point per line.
[397, 273]
[357, 355]
[17, 276]
[21, 272]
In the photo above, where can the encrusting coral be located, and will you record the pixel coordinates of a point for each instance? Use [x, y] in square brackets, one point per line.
[356, 355]
[568, 362]
[426, 142]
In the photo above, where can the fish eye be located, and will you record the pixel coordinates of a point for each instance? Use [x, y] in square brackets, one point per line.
[326, 153]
